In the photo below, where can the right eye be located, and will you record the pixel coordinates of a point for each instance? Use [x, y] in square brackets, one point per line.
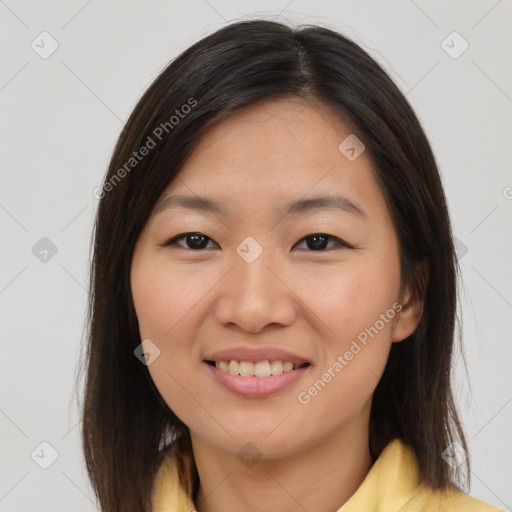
[194, 241]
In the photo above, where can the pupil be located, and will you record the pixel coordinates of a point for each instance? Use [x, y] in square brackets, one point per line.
[314, 242]
[196, 242]
[318, 242]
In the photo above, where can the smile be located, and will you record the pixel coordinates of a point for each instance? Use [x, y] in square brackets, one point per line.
[251, 386]
[259, 369]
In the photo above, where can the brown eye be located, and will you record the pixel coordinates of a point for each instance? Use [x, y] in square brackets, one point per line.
[194, 241]
[319, 242]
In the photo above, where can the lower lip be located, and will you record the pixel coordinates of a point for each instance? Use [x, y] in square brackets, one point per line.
[256, 387]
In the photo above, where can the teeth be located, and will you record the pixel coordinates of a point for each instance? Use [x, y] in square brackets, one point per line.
[262, 369]
[233, 367]
[223, 365]
[276, 368]
[259, 369]
[245, 369]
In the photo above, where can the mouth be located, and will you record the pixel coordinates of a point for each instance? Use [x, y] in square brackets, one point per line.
[261, 369]
[257, 378]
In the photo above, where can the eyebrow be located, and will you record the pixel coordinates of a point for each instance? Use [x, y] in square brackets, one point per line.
[205, 204]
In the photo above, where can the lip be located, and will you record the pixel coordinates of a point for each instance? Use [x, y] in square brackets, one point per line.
[256, 354]
[256, 387]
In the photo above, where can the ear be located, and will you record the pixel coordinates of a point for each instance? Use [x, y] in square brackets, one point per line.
[411, 302]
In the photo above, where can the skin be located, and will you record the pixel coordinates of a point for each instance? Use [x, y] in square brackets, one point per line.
[192, 302]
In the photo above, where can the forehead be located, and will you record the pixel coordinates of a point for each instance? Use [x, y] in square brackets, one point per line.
[276, 151]
[278, 128]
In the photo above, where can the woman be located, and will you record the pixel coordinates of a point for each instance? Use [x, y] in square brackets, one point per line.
[273, 290]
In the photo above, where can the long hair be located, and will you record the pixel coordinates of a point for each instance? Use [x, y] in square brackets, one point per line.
[126, 425]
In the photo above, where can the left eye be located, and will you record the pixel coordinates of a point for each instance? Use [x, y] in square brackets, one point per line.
[318, 241]
[314, 242]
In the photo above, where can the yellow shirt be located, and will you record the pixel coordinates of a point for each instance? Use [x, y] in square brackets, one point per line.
[391, 485]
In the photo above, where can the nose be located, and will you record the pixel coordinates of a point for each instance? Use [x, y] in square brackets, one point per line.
[254, 297]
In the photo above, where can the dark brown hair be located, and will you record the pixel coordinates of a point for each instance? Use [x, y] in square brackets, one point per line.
[126, 425]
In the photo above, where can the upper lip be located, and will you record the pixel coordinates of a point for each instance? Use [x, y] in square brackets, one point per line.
[255, 355]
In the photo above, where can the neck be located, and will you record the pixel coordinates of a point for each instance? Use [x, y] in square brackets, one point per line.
[321, 477]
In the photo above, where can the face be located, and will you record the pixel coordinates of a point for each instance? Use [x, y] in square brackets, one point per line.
[234, 295]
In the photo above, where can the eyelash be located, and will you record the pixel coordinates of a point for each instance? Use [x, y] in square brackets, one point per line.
[340, 243]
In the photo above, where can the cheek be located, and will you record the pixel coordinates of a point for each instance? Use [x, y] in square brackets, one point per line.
[352, 359]
[170, 304]
[355, 302]
[163, 297]
[164, 300]
[351, 297]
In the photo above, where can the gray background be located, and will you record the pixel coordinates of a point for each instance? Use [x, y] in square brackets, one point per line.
[61, 116]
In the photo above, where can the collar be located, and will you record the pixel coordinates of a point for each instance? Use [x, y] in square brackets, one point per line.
[393, 483]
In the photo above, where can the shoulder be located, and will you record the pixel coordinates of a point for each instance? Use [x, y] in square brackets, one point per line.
[394, 483]
[450, 500]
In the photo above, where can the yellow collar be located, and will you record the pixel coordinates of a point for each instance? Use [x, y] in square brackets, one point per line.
[392, 485]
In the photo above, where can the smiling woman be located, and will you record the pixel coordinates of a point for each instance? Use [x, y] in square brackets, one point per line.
[274, 291]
